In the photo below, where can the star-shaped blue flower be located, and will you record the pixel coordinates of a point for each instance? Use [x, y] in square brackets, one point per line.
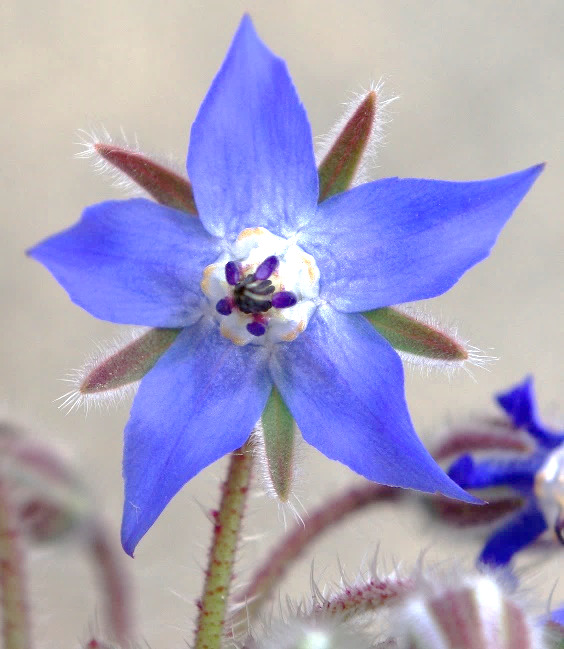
[537, 476]
[284, 278]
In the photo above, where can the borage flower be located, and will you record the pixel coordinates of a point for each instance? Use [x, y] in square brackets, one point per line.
[266, 302]
[536, 475]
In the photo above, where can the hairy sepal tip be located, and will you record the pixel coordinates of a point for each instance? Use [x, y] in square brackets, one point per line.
[353, 141]
[420, 340]
[114, 372]
[133, 170]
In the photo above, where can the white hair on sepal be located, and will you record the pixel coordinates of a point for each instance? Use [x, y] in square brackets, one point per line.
[89, 138]
[293, 505]
[376, 138]
[476, 357]
[347, 605]
[75, 399]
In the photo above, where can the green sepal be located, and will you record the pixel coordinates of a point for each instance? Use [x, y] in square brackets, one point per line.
[279, 444]
[338, 168]
[164, 185]
[129, 364]
[408, 334]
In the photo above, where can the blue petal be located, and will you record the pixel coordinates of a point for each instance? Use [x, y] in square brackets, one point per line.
[517, 472]
[199, 402]
[520, 404]
[522, 529]
[251, 158]
[557, 616]
[132, 262]
[397, 240]
[343, 384]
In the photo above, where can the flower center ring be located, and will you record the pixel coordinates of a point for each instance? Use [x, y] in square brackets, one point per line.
[264, 290]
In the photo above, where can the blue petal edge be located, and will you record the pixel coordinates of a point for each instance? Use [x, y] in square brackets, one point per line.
[398, 240]
[521, 530]
[343, 384]
[132, 262]
[251, 159]
[195, 406]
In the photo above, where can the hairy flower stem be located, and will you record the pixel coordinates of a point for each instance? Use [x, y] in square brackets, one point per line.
[113, 581]
[16, 631]
[227, 524]
[294, 543]
[361, 598]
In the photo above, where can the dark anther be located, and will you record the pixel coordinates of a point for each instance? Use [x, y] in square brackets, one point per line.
[251, 294]
[263, 288]
[248, 304]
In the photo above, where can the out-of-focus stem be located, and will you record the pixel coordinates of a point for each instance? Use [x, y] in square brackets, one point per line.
[16, 630]
[294, 543]
[114, 584]
[219, 574]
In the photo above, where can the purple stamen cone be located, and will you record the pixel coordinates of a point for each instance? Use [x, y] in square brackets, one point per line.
[256, 328]
[232, 273]
[268, 266]
[283, 300]
[223, 306]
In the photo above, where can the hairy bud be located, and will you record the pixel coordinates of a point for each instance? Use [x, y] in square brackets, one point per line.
[301, 634]
[474, 614]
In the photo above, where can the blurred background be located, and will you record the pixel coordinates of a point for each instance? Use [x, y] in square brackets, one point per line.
[481, 94]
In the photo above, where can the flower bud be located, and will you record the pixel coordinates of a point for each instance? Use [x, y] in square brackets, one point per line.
[474, 614]
[51, 500]
[549, 490]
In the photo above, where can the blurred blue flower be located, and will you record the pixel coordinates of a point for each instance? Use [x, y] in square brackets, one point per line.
[557, 617]
[284, 278]
[537, 476]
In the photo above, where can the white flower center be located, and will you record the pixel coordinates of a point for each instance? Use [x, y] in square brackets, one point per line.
[549, 489]
[264, 290]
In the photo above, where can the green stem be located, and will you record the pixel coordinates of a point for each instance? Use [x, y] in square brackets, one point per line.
[13, 600]
[227, 524]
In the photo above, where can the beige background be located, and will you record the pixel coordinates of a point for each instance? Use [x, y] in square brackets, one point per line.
[480, 87]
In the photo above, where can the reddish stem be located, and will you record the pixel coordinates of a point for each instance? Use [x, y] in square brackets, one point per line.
[294, 543]
[16, 628]
[114, 584]
[466, 441]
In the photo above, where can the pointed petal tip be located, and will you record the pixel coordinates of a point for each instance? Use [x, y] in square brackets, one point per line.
[519, 401]
[535, 171]
[246, 29]
[32, 252]
[128, 542]
[529, 175]
[464, 496]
